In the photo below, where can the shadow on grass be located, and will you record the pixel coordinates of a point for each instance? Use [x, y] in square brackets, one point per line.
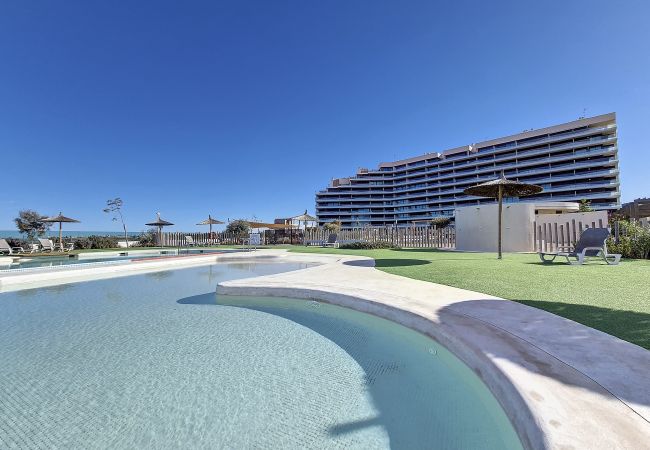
[630, 326]
[385, 262]
[563, 263]
[423, 250]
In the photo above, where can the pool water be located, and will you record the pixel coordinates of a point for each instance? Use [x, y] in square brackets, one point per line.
[66, 260]
[160, 361]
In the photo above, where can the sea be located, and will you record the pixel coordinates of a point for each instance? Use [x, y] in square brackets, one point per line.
[68, 233]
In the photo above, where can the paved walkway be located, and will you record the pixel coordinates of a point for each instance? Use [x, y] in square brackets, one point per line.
[563, 385]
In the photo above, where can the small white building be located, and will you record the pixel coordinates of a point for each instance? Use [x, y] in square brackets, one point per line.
[476, 226]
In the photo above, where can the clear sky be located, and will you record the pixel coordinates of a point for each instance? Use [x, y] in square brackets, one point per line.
[246, 108]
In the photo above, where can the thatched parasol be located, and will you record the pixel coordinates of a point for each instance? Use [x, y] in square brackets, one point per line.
[60, 219]
[159, 223]
[304, 218]
[210, 221]
[500, 188]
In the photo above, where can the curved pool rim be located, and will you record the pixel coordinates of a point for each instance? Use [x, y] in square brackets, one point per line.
[601, 417]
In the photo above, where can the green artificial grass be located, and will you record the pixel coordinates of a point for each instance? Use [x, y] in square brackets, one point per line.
[613, 299]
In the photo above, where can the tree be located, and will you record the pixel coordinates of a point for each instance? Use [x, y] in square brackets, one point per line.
[585, 206]
[239, 228]
[440, 222]
[333, 227]
[31, 223]
[114, 206]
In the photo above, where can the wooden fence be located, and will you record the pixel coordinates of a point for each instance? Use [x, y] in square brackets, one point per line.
[552, 231]
[413, 237]
[416, 237]
[177, 239]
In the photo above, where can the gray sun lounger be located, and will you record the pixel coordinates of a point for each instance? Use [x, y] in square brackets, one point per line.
[332, 241]
[8, 249]
[189, 241]
[47, 245]
[593, 242]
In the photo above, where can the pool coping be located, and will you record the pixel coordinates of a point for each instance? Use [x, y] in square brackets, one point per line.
[36, 277]
[562, 384]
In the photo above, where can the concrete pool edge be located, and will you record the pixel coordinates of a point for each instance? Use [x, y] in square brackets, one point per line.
[583, 397]
[74, 273]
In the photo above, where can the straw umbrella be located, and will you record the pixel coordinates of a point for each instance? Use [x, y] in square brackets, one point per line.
[210, 221]
[159, 223]
[305, 218]
[60, 219]
[500, 188]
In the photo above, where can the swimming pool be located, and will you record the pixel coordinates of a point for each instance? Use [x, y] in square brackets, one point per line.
[57, 261]
[160, 361]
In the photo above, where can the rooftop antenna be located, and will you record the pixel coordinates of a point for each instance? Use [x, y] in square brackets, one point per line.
[584, 113]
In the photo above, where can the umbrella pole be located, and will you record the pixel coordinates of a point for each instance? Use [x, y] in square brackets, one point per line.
[500, 213]
[61, 235]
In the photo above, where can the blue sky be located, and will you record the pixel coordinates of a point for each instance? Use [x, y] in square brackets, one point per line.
[247, 108]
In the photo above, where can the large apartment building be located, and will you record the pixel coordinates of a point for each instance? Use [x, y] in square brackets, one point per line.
[572, 161]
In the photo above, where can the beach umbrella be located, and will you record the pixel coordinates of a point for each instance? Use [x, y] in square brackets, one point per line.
[159, 223]
[210, 221]
[304, 218]
[499, 188]
[60, 219]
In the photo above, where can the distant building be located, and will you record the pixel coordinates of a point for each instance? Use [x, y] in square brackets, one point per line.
[572, 161]
[638, 209]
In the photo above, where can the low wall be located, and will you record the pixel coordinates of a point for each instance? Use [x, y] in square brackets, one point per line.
[477, 227]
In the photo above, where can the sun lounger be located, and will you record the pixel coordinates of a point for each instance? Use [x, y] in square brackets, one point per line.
[332, 241]
[8, 249]
[46, 245]
[592, 243]
[189, 241]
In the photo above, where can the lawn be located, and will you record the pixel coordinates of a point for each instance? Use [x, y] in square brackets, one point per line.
[613, 299]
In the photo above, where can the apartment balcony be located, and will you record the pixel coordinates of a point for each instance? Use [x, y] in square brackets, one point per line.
[609, 129]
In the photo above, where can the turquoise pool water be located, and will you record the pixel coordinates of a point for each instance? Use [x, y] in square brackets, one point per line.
[66, 260]
[160, 361]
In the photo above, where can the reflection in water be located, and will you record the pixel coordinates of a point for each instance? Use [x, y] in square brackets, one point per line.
[49, 290]
[160, 275]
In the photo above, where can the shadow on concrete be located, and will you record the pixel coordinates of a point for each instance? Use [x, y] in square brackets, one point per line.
[618, 361]
[631, 326]
[361, 263]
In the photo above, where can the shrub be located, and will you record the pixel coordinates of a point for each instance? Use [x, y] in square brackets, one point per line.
[585, 205]
[440, 222]
[366, 245]
[147, 238]
[96, 242]
[333, 227]
[633, 240]
[17, 242]
[239, 228]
